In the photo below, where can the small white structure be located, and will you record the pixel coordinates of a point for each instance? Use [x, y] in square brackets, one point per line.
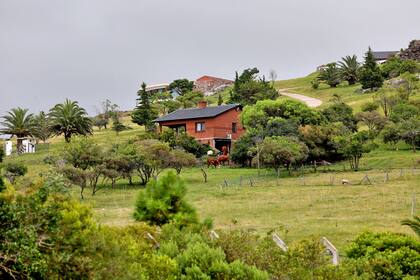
[8, 147]
[28, 146]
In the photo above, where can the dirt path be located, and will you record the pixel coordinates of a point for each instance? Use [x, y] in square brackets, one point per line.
[310, 101]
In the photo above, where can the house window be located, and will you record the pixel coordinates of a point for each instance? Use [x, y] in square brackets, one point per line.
[199, 126]
[234, 127]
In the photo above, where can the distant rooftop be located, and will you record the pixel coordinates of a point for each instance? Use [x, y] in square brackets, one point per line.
[197, 113]
[157, 86]
[383, 55]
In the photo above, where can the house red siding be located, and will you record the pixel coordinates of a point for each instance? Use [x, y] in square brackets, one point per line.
[218, 127]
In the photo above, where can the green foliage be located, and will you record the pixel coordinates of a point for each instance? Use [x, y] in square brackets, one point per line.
[12, 170]
[182, 86]
[373, 120]
[144, 114]
[248, 89]
[219, 100]
[2, 154]
[190, 99]
[163, 201]
[409, 131]
[369, 106]
[353, 146]
[100, 122]
[339, 111]
[185, 142]
[403, 112]
[69, 119]
[320, 141]
[180, 159]
[41, 129]
[19, 123]
[259, 115]
[395, 66]
[370, 75]
[387, 255]
[391, 134]
[240, 153]
[330, 75]
[315, 83]
[278, 151]
[349, 69]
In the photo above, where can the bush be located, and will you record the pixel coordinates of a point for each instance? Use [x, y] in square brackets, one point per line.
[370, 106]
[13, 170]
[403, 112]
[395, 66]
[388, 255]
[163, 201]
[2, 154]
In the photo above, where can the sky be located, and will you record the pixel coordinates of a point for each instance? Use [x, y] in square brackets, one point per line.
[95, 50]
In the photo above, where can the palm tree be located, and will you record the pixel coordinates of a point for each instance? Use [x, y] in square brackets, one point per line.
[414, 224]
[18, 123]
[349, 69]
[69, 119]
[41, 129]
[330, 75]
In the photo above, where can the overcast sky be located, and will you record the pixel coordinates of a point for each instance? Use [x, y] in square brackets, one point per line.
[91, 50]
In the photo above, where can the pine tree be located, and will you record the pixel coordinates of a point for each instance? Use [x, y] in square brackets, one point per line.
[370, 75]
[220, 100]
[144, 114]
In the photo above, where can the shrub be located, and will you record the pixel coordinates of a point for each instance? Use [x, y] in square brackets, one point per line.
[2, 154]
[370, 106]
[315, 83]
[388, 255]
[403, 112]
[330, 75]
[163, 201]
[14, 170]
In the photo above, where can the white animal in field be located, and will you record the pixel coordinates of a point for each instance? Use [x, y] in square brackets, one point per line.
[210, 153]
[345, 182]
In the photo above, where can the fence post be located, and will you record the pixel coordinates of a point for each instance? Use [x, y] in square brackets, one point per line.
[331, 248]
[279, 242]
[226, 183]
[413, 205]
[250, 182]
[386, 176]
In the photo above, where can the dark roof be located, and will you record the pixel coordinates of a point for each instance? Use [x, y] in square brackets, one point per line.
[196, 113]
[383, 55]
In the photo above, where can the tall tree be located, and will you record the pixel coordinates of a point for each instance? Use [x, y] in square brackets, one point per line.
[349, 69]
[18, 123]
[69, 119]
[41, 129]
[144, 114]
[370, 74]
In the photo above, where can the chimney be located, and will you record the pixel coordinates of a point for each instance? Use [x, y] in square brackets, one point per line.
[202, 104]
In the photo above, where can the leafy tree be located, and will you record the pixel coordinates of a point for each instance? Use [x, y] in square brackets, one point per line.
[408, 87]
[163, 201]
[182, 86]
[339, 111]
[370, 74]
[386, 100]
[403, 112]
[69, 119]
[353, 146]
[41, 129]
[391, 134]
[180, 159]
[185, 142]
[190, 99]
[144, 114]
[117, 125]
[220, 100]
[349, 69]
[19, 123]
[100, 122]
[414, 224]
[330, 75]
[409, 131]
[248, 89]
[240, 153]
[320, 141]
[12, 170]
[280, 151]
[282, 127]
[373, 120]
[395, 66]
[258, 116]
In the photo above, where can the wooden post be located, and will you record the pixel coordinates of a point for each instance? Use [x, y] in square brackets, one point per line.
[386, 176]
[413, 205]
[157, 245]
[282, 245]
[331, 248]
[214, 235]
[250, 182]
[226, 183]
